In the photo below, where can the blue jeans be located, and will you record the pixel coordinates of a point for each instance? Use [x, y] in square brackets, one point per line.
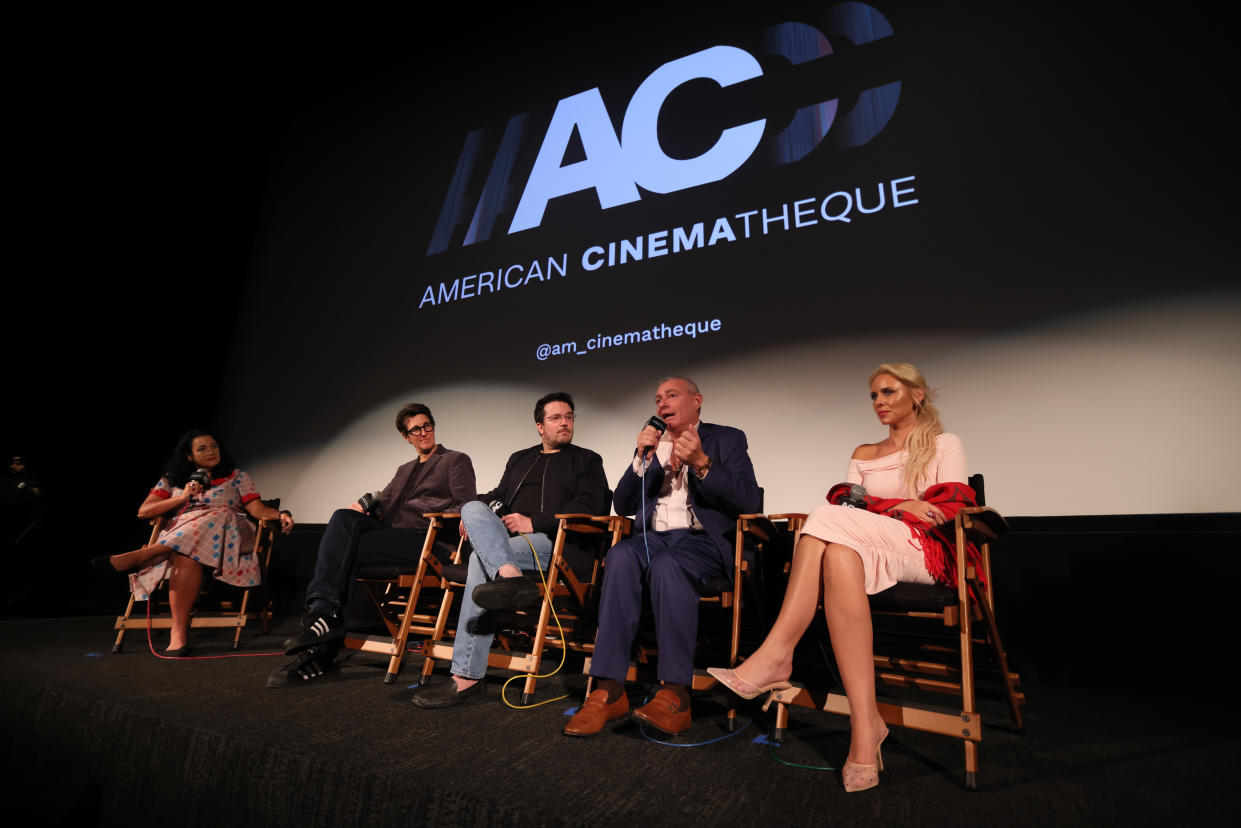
[492, 549]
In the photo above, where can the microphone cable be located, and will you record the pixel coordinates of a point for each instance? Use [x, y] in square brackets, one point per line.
[157, 654]
[642, 488]
[547, 593]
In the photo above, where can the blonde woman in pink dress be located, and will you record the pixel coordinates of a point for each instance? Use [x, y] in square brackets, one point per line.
[846, 553]
[207, 531]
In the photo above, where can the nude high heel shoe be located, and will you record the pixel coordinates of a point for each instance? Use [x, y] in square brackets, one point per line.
[745, 689]
[859, 777]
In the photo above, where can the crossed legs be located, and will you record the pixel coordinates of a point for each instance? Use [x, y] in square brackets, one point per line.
[140, 558]
[496, 555]
[834, 571]
[185, 578]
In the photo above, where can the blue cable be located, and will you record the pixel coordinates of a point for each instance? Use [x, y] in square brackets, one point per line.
[649, 738]
[642, 488]
[694, 744]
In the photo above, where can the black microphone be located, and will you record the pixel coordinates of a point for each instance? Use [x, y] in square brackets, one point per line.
[856, 497]
[202, 477]
[659, 425]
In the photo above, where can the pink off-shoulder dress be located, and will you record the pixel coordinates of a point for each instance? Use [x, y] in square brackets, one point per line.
[890, 553]
[213, 529]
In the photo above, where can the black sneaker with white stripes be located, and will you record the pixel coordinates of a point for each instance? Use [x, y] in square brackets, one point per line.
[316, 629]
[315, 663]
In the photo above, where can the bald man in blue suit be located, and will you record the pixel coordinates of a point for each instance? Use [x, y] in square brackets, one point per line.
[694, 480]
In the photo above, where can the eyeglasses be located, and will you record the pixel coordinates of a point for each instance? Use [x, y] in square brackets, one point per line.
[557, 418]
[419, 429]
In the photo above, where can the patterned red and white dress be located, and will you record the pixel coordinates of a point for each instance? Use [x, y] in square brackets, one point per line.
[213, 529]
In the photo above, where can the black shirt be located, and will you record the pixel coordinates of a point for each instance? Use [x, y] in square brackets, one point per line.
[529, 498]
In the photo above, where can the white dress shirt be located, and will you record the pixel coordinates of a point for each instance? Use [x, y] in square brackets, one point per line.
[672, 509]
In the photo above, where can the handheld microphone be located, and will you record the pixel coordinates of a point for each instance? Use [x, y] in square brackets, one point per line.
[202, 477]
[659, 425]
[855, 498]
[371, 507]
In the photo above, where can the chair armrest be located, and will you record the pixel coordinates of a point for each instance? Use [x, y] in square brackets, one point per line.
[157, 525]
[984, 519]
[608, 522]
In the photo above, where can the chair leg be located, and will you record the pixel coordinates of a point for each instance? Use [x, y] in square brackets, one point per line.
[780, 732]
[120, 624]
[241, 618]
[401, 642]
[540, 631]
[441, 624]
[1010, 692]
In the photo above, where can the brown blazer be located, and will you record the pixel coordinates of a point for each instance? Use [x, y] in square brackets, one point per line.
[444, 483]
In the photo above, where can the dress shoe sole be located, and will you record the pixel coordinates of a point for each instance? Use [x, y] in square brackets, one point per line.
[428, 701]
[649, 723]
[507, 600]
[608, 725]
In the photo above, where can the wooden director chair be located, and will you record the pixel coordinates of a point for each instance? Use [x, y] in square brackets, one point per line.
[573, 577]
[231, 613]
[405, 594]
[926, 638]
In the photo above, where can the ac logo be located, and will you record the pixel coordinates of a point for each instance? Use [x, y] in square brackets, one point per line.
[615, 166]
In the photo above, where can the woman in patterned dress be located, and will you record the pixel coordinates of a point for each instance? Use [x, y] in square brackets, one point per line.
[208, 530]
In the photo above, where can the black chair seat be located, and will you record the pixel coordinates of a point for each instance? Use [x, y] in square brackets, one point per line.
[914, 598]
[456, 572]
[391, 570]
[387, 571]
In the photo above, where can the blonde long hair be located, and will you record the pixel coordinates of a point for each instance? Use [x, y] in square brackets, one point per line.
[920, 447]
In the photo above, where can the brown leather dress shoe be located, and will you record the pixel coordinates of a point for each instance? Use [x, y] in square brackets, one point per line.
[596, 713]
[663, 713]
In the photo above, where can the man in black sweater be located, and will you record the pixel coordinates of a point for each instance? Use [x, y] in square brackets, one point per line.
[505, 526]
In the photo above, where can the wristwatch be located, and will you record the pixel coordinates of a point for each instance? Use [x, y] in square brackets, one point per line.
[700, 473]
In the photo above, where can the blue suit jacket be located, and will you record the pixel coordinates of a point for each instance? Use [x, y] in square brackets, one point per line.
[728, 490]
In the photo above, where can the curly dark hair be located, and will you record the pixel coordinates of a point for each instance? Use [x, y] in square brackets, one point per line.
[179, 467]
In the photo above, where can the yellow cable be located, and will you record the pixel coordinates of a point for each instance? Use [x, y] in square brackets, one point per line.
[563, 646]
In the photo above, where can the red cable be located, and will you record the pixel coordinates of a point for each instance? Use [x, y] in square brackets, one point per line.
[151, 645]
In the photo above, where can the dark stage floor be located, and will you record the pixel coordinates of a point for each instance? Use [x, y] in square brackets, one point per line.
[98, 738]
